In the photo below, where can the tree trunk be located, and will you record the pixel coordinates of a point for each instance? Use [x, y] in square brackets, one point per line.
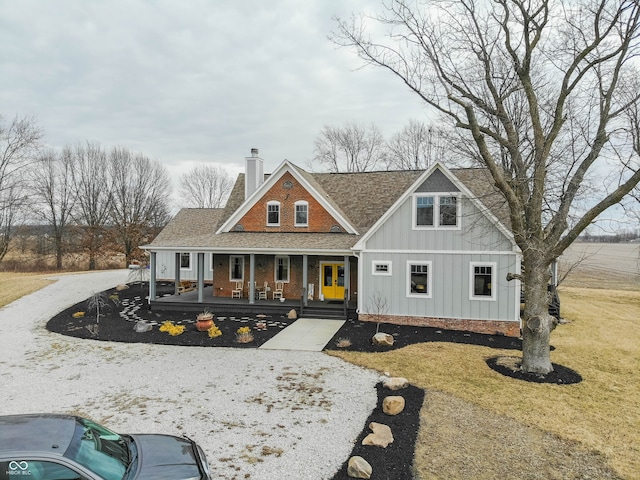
[537, 323]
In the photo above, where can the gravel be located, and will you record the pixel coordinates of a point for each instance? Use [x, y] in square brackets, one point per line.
[258, 414]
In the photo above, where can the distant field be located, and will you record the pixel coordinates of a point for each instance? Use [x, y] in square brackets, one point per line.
[602, 265]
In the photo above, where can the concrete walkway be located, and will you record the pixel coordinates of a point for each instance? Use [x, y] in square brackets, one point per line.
[310, 334]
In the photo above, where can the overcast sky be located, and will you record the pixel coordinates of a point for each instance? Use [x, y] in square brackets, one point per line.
[192, 81]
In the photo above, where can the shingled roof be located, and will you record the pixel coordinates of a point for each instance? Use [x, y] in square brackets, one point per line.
[361, 197]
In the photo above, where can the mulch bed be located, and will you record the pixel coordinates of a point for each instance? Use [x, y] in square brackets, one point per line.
[118, 318]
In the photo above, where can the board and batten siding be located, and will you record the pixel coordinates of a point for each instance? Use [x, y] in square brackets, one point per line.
[166, 261]
[452, 252]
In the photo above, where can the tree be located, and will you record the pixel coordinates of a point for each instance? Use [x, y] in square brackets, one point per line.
[539, 91]
[93, 189]
[417, 146]
[19, 144]
[53, 191]
[141, 189]
[205, 186]
[352, 148]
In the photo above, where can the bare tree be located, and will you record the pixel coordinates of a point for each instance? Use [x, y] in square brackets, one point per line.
[93, 189]
[19, 144]
[205, 186]
[539, 88]
[140, 195]
[351, 148]
[417, 146]
[54, 194]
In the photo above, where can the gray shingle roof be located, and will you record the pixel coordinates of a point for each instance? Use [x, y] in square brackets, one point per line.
[361, 197]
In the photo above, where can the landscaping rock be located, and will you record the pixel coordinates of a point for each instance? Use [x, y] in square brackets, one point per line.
[292, 315]
[142, 327]
[381, 436]
[393, 405]
[383, 339]
[121, 287]
[358, 467]
[395, 383]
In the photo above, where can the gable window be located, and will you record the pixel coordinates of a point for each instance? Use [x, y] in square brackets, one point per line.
[302, 214]
[435, 211]
[419, 279]
[273, 213]
[483, 281]
[185, 261]
[380, 268]
[236, 268]
[282, 269]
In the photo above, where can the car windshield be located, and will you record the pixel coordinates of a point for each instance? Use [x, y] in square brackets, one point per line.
[99, 449]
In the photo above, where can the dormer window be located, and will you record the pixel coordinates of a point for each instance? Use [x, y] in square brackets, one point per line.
[436, 211]
[273, 214]
[302, 214]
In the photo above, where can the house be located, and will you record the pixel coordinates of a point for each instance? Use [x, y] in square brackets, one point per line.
[428, 247]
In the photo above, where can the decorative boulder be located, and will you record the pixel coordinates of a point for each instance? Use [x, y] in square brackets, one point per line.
[383, 339]
[381, 436]
[121, 287]
[395, 383]
[358, 467]
[292, 315]
[142, 326]
[393, 405]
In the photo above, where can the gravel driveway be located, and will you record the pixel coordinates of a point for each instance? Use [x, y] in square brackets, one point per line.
[258, 414]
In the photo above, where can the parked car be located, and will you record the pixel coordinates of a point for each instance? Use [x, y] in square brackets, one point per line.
[67, 447]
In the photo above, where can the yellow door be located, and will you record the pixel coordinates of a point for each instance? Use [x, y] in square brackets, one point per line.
[333, 281]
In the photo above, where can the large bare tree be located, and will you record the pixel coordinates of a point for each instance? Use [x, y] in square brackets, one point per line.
[19, 144]
[205, 186]
[416, 146]
[54, 195]
[351, 148]
[539, 90]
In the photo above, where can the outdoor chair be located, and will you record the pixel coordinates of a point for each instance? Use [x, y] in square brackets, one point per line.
[277, 293]
[237, 292]
[262, 293]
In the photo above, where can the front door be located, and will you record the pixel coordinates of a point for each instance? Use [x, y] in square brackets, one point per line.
[333, 281]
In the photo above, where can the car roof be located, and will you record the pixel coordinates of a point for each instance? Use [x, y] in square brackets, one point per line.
[42, 432]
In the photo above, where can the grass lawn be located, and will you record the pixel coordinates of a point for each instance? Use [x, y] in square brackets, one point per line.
[17, 285]
[491, 417]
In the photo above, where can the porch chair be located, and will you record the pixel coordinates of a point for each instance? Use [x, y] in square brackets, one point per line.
[262, 294]
[237, 292]
[277, 293]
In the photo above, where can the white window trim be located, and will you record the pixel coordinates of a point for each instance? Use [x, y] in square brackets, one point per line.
[295, 213]
[375, 263]
[494, 269]
[231, 263]
[429, 293]
[271, 203]
[186, 269]
[211, 260]
[275, 268]
[436, 211]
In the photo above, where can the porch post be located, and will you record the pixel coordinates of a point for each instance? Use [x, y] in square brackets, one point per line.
[200, 276]
[305, 280]
[152, 276]
[252, 280]
[347, 276]
[177, 274]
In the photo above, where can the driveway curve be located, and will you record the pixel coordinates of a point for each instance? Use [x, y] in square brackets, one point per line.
[259, 414]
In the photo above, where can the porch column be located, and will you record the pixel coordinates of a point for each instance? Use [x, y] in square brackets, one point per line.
[152, 276]
[305, 280]
[177, 274]
[347, 276]
[252, 279]
[200, 276]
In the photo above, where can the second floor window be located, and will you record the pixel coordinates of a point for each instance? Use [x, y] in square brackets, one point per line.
[302, 214]
[273, 213]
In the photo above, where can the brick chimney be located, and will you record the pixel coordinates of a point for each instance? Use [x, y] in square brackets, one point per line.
[254, 173]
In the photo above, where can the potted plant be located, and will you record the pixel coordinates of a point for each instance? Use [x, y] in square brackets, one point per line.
[204, 320]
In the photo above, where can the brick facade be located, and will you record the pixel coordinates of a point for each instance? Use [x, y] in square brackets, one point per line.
[490, 327]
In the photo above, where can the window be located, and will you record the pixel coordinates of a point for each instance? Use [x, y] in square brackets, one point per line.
[302, 214]
[435, 211]
[482, 281]
[282, 269]
[236, 268]
[273, 213]
[185, 261]
[212, 259]
[381, 268]
[419, 279]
